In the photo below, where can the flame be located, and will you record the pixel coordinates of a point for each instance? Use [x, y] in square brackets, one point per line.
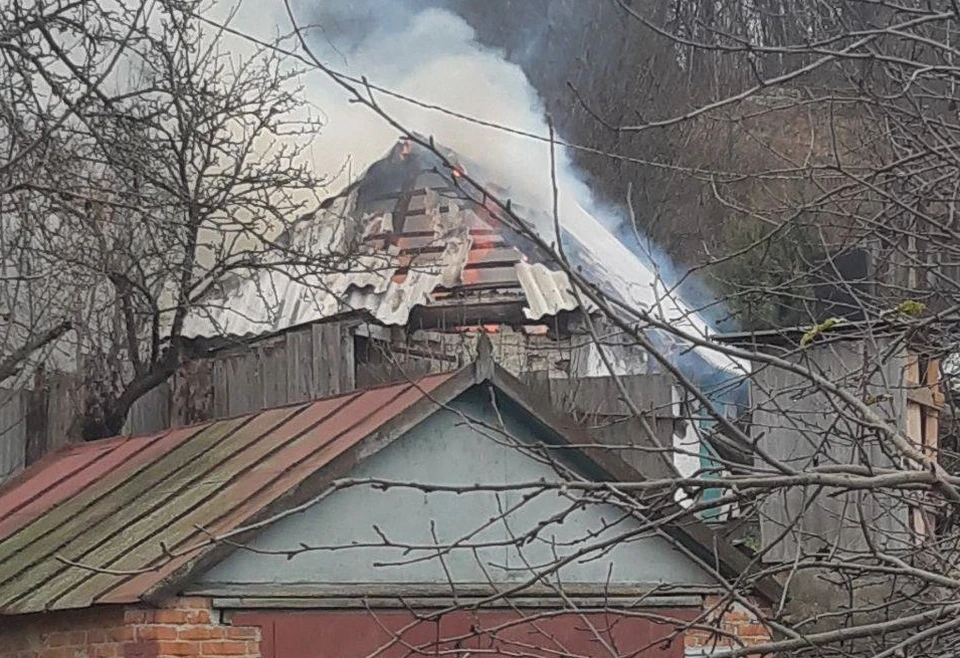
[474, 329]
[458, 171]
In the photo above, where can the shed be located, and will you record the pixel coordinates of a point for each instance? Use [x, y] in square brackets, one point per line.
[453, 512]
[802, 426]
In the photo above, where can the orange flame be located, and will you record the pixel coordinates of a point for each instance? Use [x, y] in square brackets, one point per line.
[475, 329]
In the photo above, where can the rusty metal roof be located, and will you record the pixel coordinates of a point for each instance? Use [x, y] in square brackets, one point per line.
[130, 519]
[120, 504]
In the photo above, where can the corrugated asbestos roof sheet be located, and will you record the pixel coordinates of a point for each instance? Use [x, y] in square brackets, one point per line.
[417, 247]
[546, 291]
[119, 504]
[425, 242]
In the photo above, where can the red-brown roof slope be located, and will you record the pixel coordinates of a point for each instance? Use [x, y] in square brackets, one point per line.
[126, 505]
[132, 519]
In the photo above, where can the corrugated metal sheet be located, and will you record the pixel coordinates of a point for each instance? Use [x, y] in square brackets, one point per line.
[120, 504]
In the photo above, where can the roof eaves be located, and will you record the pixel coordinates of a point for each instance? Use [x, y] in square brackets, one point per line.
[695, 533]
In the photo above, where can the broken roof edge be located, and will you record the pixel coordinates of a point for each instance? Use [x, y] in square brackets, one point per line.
[695, 536]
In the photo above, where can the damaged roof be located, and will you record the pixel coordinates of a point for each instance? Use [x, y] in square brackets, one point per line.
[141, 511]
[405, 237]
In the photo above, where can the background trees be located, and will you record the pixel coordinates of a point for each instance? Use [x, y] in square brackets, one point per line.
[145, 163]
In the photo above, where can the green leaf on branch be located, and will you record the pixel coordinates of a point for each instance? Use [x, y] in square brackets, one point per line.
[871, 400]
[818, 329]
[911, 307]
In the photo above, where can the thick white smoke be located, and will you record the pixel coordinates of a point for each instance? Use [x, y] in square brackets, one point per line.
[432, 55]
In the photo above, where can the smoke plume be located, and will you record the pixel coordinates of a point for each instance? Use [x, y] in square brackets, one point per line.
[431, 54]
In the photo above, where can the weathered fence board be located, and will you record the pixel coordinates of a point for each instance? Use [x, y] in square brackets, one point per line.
[13, 431]
[151, 413]
[302, 364]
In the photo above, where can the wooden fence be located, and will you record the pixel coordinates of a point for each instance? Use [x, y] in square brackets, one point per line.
[323, 359]
[299, 365]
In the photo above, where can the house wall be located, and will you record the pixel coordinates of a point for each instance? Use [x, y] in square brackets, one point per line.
[647, 632]
[461, 447]
[183, 628]
[192, 627]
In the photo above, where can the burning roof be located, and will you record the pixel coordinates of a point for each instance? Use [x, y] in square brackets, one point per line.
[405, 239]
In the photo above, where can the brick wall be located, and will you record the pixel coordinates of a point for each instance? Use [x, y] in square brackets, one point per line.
[734, 620]
[92, 633]
[184, 628]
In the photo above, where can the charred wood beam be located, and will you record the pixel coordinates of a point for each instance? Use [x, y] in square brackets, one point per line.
[499, 312]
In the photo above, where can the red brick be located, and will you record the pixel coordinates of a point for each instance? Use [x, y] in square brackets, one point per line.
[166, 616]
[177, 648]
[139, 649]
[199, 617]
[67, 639]
[224, 648]
[193, 603]
[125, 634]
[752, 630]
[135, 616]
[157, 632]
[96, 636]
[201, 632]
[59, 652]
